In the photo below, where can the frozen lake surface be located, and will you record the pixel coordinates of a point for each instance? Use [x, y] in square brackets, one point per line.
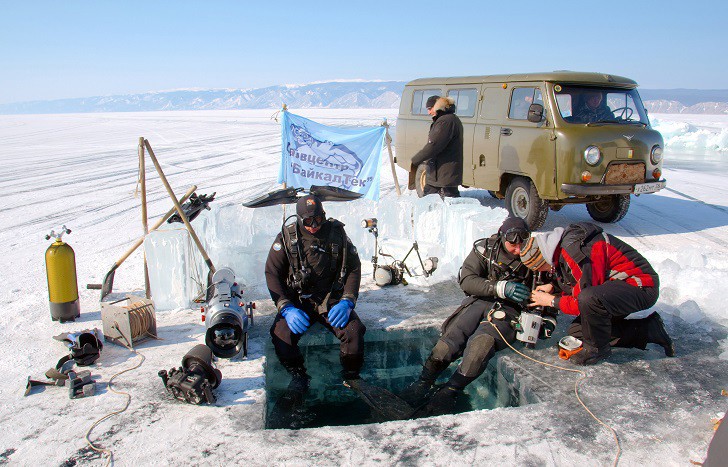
[81, 170]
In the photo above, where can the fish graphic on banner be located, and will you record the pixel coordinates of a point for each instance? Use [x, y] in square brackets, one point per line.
[316, 154]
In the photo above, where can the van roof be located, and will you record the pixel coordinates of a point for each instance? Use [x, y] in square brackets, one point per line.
[564, 77]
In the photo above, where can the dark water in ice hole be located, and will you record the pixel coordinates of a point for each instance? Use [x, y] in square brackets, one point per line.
[393, 359]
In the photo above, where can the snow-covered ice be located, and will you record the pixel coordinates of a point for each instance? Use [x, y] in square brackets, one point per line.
[81, 170]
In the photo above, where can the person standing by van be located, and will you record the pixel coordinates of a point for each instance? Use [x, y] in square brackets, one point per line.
[443, 152]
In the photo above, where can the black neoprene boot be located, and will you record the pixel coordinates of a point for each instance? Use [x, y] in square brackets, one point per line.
[657, 334]
[591, 355]
[416, 393]
[351, 366]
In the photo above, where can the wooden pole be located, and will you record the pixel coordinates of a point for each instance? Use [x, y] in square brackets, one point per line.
[145, 226]
[161, 221]
[178, 207]
[388, 139]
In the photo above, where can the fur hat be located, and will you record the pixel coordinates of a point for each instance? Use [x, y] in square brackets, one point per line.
[431, 101]
[539, 249]
[443, 103]
[309, 206]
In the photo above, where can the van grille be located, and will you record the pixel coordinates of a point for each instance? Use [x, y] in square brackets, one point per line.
[621, 174]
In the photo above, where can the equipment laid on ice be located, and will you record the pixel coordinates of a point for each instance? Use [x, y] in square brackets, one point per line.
[62, 285]
[80, 384]
[85, 347]
[128, 323]
[193, 207]
[393, 274]
[227, 317]
[194, 381]
[568, 346]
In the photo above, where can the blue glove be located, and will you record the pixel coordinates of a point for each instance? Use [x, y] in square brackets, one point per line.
[512, 290]
[339, 313]
[296, 319]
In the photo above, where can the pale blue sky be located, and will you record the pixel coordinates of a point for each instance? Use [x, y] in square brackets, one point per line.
[60, 49]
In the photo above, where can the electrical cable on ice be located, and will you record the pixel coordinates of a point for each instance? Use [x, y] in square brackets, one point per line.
[577, 383]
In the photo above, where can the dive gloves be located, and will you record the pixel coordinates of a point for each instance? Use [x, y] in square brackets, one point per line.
[296, 319]
[512, 290]
[339, 313]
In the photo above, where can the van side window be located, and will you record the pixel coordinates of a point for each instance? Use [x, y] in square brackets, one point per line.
[419, 99]
[521, 100]
[466, 101]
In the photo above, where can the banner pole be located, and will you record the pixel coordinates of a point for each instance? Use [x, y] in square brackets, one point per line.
[388, 139]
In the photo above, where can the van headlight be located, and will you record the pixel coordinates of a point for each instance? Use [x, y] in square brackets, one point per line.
[656, 154]
[592, 155]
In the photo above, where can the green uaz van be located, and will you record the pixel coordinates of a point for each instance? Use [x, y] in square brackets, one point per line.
[543, 140]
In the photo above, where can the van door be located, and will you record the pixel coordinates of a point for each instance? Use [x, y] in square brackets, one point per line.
[466, 105]
[418, 122]
[527, 148]
[484, 156]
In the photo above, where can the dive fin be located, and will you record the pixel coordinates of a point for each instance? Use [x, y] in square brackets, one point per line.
[330, 193]
[282, 196]
[381, 400]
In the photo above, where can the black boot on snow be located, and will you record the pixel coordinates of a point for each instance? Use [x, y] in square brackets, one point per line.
[591, 355]
[657, 334]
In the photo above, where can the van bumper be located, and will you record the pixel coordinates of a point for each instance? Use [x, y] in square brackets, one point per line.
[595, 189]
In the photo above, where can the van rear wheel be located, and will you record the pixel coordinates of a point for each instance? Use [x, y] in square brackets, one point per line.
[421, 179]
[522, 200]
[609, 209]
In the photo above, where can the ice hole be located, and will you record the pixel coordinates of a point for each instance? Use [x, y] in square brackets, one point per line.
[393, 359]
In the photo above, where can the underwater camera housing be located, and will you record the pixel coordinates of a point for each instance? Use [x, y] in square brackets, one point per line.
[194, 381]
[227, 317]
[393, 274]
[535, 323]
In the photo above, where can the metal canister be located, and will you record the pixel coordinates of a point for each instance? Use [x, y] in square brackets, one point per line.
[62, 284]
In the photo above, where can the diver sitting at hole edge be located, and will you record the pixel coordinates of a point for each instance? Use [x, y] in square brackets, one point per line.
[491, 274]
[313, 274]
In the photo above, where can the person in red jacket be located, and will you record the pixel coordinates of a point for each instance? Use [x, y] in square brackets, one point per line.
[601, 280]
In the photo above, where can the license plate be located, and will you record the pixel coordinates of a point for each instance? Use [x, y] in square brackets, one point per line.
[648, 187]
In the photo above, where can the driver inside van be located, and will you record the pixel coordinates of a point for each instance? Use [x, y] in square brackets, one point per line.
[593, 108]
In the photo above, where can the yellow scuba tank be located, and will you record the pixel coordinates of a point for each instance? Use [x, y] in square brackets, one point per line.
[62, 284]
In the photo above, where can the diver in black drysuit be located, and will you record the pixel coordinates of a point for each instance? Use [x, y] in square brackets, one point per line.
[492, 273]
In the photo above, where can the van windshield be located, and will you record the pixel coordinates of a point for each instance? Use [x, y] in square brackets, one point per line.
[595, 105]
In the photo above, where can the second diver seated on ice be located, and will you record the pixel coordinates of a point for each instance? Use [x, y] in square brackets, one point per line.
[491, 274]
[313, 274]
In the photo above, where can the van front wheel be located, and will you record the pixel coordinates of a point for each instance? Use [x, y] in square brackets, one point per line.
[421, 179]
[522, 200]
[609, 209]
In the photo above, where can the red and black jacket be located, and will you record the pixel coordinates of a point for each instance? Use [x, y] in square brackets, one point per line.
[588, 256]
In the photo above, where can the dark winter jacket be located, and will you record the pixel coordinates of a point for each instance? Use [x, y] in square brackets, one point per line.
[444, 149]
[588, 257]
[488, 263]
[587, 114]
[318, 255]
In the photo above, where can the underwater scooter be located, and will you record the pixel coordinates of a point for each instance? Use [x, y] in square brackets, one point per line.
[227, 317]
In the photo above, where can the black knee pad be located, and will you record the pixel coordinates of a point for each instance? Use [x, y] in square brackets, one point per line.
[442, 352]
[480, 349]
